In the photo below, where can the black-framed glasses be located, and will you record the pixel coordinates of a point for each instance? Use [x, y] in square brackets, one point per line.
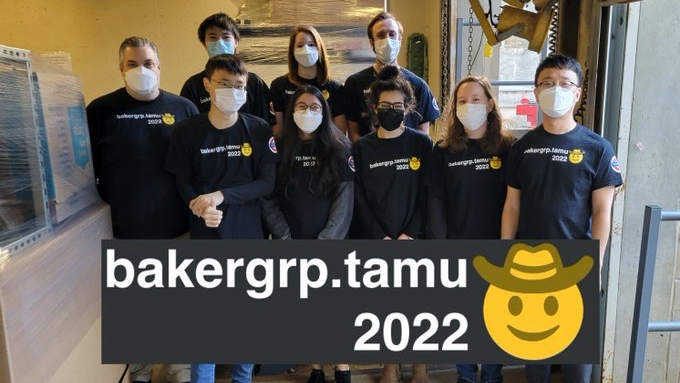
[391, 105]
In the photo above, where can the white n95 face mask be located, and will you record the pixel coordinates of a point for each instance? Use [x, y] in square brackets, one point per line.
[230, 100]
[141, 79]
[306, 56]
[473, 116]
[387, 50]
[307, 121]
[556, 101]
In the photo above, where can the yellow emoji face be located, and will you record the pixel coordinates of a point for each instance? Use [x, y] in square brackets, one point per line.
[414, 163]
[168, 118]
[576, 156]
[246, 149]
[495, 163]
[533, 326]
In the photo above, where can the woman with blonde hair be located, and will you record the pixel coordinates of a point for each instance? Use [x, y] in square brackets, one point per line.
[466, 180]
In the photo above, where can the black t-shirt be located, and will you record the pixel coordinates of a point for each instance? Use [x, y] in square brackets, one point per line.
[130, 139]
[303, 204]
[471, 187]
[257, 98]
[282, 90]
[556, 175]
[239, 161]
[357, 89]
[390, 185]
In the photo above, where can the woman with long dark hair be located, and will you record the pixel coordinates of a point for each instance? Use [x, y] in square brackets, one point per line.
[314, 189]
[314, 195]
[466, 180]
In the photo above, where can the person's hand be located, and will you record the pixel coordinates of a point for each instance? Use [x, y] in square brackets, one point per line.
[387, 238]
[405, 236]
[212, 217]
[204, 201]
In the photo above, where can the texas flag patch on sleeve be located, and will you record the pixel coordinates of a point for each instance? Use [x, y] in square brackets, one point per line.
[615, 164]
[272, 145]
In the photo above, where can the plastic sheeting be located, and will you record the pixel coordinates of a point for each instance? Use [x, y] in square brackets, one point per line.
[22, 195]
[62, 123]
[265, 27]
[46, 172]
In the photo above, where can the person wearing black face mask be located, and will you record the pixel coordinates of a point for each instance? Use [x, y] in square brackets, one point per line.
[389, 176]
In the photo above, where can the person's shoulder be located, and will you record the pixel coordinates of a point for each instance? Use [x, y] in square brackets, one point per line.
[360, 75]
[253, 78]
[172, 98]
[192, 124]
[370, 137]
[198, 77]
[413, 78]
[256, 125]
[280, 82]
[419, 136]
[107, 100]
[590, 135]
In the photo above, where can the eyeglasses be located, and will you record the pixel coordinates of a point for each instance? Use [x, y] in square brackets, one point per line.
[301, 107]
[391, 105]
[549, 84]
[226, 85]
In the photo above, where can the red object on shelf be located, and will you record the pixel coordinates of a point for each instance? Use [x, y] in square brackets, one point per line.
[529, 109]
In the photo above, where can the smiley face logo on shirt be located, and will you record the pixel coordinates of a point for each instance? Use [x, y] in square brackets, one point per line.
[325, 94]
[414, 163]
[168, 118]
[246, 149]
[576, 156]
[495, 163]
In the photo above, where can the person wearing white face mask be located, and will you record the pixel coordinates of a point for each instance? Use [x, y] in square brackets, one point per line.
[314, 195]
[467, 180]
[224, 162]
[130, 131]
[219, 35]
[573, 166]
[307, 65]
[385, 34]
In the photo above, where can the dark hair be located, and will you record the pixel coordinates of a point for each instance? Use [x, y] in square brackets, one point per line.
[321, 65]
[328, 145]
[560, 61]
[380, 17]
[230, 63]
[220, 20]
[389, 79]
[496, 139]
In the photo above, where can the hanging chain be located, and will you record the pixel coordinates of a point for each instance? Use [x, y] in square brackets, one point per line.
[471, 21]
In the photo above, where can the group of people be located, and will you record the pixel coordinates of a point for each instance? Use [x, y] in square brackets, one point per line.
[310, 158]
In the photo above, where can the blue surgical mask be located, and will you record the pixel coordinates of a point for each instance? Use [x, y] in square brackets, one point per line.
[219, 47]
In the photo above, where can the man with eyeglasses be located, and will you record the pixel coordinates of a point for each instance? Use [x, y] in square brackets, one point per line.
[561, 178]
[224, 162]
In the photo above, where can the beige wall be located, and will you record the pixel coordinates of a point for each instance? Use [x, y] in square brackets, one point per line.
[92, 30]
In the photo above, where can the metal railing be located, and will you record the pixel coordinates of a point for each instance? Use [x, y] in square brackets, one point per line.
[643, 295]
